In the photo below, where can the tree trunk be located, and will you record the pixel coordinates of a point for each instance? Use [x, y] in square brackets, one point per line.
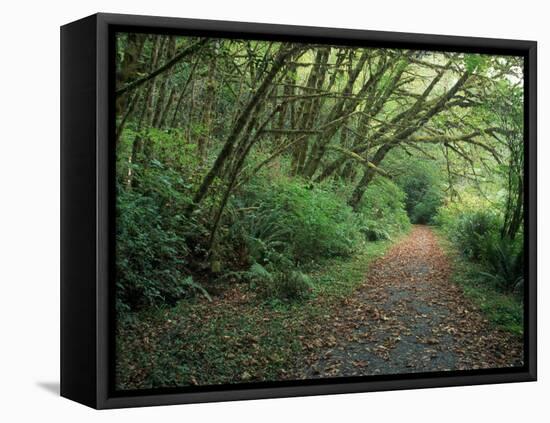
[143, 119]
[206, 119]
[368, 175]
[129, 66]
[242, 121]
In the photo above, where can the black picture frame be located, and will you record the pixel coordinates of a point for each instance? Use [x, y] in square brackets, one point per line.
[87, 210]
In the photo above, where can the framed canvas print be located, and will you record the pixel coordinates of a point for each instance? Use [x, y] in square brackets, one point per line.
[254, 211]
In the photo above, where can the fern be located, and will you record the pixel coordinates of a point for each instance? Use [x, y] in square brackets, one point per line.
[190, 283]
[504, 259]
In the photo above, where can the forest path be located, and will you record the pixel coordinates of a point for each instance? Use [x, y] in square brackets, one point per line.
[409, 317]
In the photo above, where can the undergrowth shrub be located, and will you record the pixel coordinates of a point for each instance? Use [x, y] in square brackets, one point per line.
[261, 230]
[292, 286]
[294, 222]
[151, 232]
[286, 285]
[504, 260]
[382, 212]
[425, 210]
[469, 223]
[421, 183]
[320, 223]
[476, 231]
[473, 231]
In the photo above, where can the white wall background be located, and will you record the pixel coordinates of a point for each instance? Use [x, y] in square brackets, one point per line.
[29, 211]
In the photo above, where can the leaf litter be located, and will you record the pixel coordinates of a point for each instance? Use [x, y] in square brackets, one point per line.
[408, 317]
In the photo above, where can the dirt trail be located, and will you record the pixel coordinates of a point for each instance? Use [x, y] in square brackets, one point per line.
[408, 317]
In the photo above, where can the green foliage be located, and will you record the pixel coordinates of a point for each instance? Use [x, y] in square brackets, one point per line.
[504, 260]
[477, 235]
[259, 275]
[382, 211]
[472, 232]
[274, 225]
[286, 286]
[262, 232]
[151, 233]
[320, 224]
[475, 62]
[295, 221]
[468, 223]
[421, 182]
[424, 211]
